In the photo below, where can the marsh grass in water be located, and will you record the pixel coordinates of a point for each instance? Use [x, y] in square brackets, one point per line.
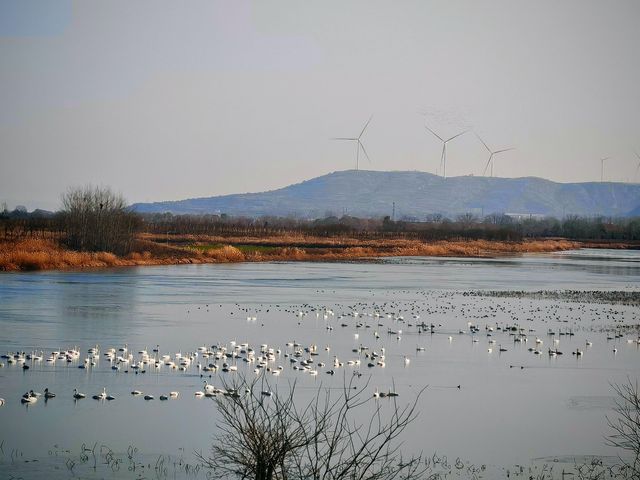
[94, 461]
[97, 461]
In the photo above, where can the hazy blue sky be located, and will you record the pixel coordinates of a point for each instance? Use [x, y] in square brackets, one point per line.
[170, 100]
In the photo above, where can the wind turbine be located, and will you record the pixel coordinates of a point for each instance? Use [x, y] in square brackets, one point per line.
[443, 156]
[359, 143]
[491, 154]
[602, 160]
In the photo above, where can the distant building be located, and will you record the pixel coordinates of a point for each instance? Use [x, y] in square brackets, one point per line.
[526, 216]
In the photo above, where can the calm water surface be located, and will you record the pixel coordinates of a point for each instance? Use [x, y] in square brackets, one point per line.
[502, 414]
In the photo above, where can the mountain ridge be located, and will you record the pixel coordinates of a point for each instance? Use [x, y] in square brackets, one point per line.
[368, 193]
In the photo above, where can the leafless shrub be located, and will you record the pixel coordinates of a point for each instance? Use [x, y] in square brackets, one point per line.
[625, 428]
[268, 436]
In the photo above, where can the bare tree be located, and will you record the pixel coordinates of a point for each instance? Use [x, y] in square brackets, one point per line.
[466, 219]
[97, 219]
[626, 427]
[265, 435]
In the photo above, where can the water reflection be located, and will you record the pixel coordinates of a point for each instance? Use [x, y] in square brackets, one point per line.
[95, 306]
[557, 401]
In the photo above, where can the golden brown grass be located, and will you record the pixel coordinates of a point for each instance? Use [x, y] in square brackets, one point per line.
[39, 254]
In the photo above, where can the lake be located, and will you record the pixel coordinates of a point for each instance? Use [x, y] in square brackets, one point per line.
[512, 407]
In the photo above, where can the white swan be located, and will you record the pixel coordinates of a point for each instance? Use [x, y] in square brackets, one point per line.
[208, 389]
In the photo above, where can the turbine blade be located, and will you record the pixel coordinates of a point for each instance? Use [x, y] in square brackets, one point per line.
[365, 126]
[637, 154]
[342, 138]
[487, 165]
[456, 136]
[438, 136]
[364, 150]
[503, 150]
[483, 142]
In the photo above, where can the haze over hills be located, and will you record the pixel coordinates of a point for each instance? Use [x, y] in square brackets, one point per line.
[416, 195]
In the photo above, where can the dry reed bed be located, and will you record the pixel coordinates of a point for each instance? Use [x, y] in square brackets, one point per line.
[40, 254]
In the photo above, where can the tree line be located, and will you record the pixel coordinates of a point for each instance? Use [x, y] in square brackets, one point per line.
[97, 219]
[436, 227]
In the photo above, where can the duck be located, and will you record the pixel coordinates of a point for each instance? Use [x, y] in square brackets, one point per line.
[379, 394]
[100, 396]
[48, 394]
[26, 398]
[29, 397]
[77, 395]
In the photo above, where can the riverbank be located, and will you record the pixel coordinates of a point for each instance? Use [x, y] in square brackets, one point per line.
[45, 254]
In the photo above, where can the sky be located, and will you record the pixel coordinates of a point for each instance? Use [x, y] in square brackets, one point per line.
[165, 100]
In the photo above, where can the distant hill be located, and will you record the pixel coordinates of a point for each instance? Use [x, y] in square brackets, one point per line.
[417, 194]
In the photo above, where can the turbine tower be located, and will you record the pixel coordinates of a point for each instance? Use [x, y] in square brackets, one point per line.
[443, 155]
[492, 153]
[635, 176]
[359, 143]
[602, 160]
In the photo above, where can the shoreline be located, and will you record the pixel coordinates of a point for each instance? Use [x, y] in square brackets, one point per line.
[34, 254]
